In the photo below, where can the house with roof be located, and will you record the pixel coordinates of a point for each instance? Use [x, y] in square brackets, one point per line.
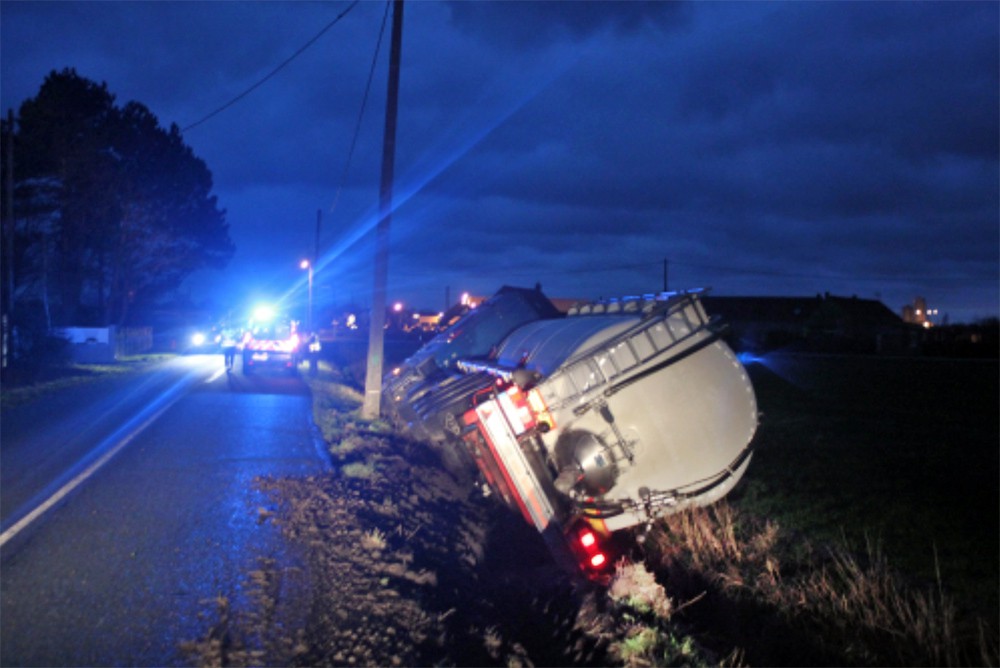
[824, 323]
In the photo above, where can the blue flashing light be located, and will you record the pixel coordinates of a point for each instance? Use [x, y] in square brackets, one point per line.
[263, 313]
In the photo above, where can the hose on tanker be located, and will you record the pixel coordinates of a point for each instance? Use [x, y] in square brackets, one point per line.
[605, 509]
[601, 509]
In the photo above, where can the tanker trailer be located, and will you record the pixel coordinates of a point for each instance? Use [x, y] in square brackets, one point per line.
[616, 414]
[427, 394]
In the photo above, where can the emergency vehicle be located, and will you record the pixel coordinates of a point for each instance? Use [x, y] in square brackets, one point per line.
[622, 411]
[270, 341]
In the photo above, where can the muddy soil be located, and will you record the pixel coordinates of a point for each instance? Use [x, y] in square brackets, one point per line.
[399, 564]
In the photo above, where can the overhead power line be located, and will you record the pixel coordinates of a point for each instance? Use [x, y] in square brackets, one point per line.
[361, 112]
[275, 70]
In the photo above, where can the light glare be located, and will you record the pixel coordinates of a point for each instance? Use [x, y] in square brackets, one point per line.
[263, 312]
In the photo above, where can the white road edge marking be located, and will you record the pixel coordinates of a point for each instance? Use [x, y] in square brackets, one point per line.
[80, 478]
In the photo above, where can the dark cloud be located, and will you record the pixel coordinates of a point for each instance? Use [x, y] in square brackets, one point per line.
[915, 77]
[769, 148]
[529, 24]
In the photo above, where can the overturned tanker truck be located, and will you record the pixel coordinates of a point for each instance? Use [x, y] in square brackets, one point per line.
[619, 412]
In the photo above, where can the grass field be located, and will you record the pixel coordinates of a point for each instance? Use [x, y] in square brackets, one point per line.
[898, 452]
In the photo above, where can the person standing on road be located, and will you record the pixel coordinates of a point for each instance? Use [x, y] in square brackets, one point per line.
[314, 348]
[229, 348]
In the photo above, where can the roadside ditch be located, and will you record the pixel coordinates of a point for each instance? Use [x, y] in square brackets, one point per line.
[400, 564]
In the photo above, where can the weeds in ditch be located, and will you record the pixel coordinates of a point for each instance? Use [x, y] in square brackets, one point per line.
[850, 608]
[643, 613]
[869, 597]
[635, 587]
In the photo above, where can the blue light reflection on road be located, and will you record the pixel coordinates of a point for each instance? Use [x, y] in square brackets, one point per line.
[158, 401]
[227, 441]
[136, 562]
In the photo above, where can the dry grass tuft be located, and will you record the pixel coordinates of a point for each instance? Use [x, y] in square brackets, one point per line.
[373, 540]
[853, 609]
[869, 597]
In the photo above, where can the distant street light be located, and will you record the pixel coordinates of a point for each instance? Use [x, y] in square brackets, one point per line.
[305, 264]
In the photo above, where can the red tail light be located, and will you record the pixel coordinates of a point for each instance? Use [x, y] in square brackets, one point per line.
[590, 549]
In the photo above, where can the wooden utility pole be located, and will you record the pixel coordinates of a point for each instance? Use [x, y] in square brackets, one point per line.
[9, 233]
[10, 207]
[371, 408]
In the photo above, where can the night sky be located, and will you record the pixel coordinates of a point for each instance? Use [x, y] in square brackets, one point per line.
[781, 149]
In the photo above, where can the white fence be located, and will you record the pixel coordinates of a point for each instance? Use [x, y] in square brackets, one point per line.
[103, 345]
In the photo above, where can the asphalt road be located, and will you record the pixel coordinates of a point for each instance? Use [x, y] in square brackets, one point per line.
[127, 509]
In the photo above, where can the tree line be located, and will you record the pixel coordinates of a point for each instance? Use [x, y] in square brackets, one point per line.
[105, 212]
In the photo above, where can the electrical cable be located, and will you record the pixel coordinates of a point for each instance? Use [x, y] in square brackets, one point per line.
[361, 112]
[274, 71]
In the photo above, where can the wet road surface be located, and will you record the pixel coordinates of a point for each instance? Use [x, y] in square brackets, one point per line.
[163, 518]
